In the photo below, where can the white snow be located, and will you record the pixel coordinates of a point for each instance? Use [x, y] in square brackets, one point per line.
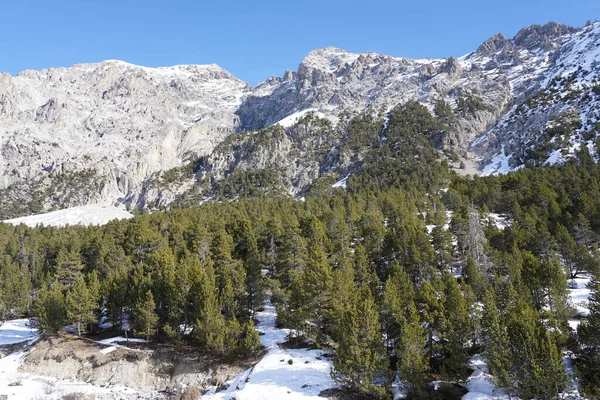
[17, 331]
[93, 214]
[18, 385]
[498, 165]
[500, 221]
[290, 120]
[121, 339]
[583, 52]
[274, 377]
[556, 157]
[479, 383]
[579, 294]
[343, 183]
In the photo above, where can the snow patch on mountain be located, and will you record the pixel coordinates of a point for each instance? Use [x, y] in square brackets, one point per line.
[93, 214]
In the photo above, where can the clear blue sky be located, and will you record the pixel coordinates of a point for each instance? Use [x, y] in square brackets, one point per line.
[257, 39]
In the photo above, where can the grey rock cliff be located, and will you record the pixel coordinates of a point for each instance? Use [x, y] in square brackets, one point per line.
[120, 125]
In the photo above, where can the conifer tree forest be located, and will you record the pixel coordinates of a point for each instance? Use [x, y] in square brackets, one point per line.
[402, 275]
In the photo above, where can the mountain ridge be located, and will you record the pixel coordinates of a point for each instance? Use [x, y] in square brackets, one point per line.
[126, 124]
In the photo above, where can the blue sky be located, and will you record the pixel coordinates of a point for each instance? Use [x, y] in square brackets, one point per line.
[258, 39]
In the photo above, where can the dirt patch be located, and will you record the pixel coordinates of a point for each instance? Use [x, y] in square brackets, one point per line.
[471, 168]
[158, 368]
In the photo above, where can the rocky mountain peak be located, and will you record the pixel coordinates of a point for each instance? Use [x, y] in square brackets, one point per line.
[542, 36]
[492, 45]
[328, 59]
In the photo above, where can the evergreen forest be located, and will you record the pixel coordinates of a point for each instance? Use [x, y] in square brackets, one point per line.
[403, 275]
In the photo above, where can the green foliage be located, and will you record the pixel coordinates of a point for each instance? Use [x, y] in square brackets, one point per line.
[360, 357]
[470, 104]
[50, 308]
[249, 183]
[345, 268]
[79, 304]
[588, 352]
[413, 365]
[145, 317]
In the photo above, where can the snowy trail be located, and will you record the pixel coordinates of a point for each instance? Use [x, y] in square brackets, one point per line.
[274, 377]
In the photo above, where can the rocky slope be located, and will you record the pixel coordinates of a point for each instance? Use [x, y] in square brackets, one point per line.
[109, 131]
[560, 116]
[108, 126]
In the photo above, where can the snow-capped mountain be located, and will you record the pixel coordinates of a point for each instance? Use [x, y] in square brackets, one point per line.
[102, 132]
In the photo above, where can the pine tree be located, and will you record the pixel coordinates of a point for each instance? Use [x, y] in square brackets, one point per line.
[588, 353]
[398, 294]
[79, 304]
[50, 308]
[316, 283]
[15, 287]
[496, 343]
[250, 342]
[473, 276]
[433, 315]
[210, 328]
[68, 266]
[246, 249]
[360, 359]
[343, 295]
[536, 368]
[558, 299]
[457, 328]
[162, 266]
[413, 364]
[145, 317]
[115, 292]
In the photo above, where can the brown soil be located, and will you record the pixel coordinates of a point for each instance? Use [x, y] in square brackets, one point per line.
[157, 367]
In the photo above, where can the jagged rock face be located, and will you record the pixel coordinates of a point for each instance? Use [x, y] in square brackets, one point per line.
[542, 37]
[331, 81]
[500, 73]
[126, 123]
[122, 121]
[566, 95]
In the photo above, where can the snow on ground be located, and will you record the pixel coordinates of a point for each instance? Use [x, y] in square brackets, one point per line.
[17, 331]
[479, 384]
[18, 385]
[118, 339]
[343, 183]
[500, 221]
[274, 377]
[579, 294]
[93, 214]
[290, 120]
[498, 165]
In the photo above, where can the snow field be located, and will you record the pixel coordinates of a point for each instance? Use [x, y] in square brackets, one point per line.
[93, 214]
